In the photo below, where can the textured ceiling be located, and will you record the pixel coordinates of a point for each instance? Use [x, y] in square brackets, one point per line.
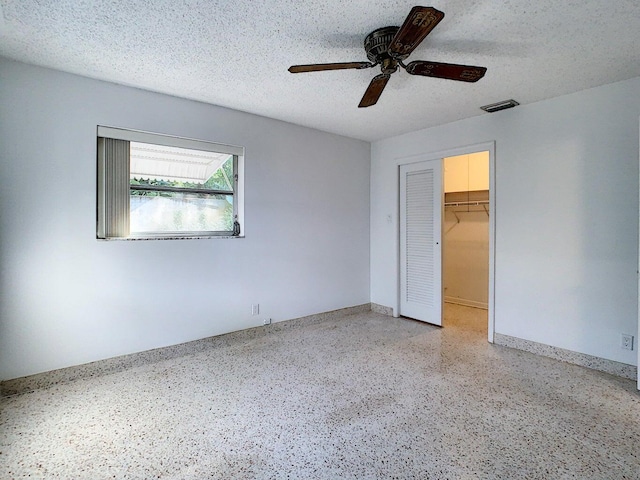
[235, 53]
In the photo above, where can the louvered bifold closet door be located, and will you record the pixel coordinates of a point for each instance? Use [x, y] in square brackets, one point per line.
[420, 241]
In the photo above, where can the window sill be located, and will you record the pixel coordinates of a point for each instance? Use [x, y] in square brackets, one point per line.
[195, 237]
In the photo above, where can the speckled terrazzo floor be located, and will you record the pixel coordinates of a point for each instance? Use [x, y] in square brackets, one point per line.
[364, 396]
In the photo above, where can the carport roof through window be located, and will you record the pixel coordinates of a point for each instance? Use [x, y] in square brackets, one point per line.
[159, 162]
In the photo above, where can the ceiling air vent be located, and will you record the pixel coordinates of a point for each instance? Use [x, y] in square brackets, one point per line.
[496, 107]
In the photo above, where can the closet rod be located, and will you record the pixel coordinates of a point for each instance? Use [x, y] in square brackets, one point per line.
[464, 204]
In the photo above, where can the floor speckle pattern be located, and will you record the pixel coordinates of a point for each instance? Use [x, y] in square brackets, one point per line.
[365, 396]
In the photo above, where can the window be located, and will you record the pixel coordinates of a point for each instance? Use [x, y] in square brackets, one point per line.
[157, 186]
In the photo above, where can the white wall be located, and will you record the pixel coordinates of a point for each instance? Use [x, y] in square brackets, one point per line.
[68, 299]
[566, 216]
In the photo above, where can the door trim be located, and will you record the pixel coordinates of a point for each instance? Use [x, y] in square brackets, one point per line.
[439, 155]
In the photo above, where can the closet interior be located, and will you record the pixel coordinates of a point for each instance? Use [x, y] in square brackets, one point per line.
[466, 230]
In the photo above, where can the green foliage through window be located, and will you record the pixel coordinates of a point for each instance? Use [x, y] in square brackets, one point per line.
[222, 179]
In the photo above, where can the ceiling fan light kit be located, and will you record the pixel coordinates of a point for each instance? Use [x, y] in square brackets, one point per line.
[389, 46]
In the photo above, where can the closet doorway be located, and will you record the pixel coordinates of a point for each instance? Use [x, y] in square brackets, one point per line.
[477, 196]
[465, 252]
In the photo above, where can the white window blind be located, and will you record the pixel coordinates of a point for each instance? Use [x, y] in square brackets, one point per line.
[113, 188]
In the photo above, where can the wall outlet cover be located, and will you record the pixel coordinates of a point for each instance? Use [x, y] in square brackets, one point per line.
[626, 341]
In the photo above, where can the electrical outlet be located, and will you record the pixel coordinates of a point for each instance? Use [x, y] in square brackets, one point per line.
[626, 341]
[255, 309]
[266, 321]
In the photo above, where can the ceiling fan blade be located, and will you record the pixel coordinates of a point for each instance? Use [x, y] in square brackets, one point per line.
[418, 24]
[374, 90]
[450, 71]
[318, 67]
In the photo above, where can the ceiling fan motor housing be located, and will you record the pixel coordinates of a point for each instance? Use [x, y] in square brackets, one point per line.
[377, 43]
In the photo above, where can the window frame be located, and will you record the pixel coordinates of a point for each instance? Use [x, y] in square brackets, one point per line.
[111, 204]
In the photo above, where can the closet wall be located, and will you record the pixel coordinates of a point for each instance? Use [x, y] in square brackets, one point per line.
[466, 229]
